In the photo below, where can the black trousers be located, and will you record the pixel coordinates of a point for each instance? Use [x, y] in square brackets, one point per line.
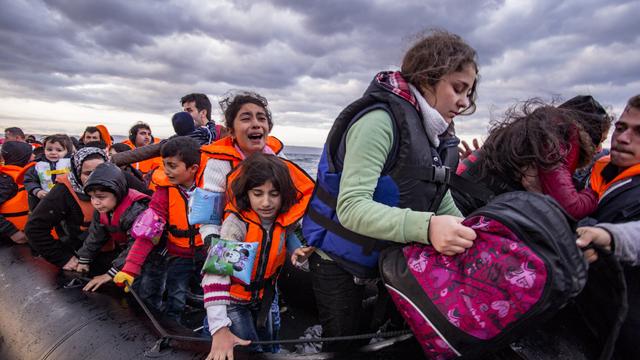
[339, 302]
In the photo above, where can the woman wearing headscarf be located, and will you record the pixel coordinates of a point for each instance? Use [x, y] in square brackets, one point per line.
[69, 206]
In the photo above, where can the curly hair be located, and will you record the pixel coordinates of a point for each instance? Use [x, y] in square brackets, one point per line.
[436, 54]
[533, 134]
[232, 102]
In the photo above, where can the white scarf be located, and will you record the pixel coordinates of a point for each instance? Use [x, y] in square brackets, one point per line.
[434, 123]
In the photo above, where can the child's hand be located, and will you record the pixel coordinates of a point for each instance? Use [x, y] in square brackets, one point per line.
[19, 237]
[301, 254]
[122, 277]
[448, 236]
[96, 282]
[222, 344]
[41, 194]
[81, 268]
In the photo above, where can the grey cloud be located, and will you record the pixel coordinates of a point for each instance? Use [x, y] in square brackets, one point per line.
[309, 58]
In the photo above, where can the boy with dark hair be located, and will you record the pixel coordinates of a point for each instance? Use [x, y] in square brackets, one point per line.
[199, 106]
[182, 174]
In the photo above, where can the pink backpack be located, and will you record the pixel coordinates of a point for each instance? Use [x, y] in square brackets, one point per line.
[523, 267]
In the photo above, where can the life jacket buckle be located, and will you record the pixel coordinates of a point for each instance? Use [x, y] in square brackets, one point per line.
[441, 174]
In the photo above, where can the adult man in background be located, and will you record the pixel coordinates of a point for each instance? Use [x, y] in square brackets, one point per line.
[199, 106]
[14, 134]
[616, 179]
[139, 136]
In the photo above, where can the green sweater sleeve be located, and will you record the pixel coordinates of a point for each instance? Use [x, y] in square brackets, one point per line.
[368, 144]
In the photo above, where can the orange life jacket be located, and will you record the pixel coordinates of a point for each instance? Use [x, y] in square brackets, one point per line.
[599, 184]
[180, 232]
[86, 208]
[145, 165]
[104, 135]
[16, 209]
[271, 254]
[225, 149]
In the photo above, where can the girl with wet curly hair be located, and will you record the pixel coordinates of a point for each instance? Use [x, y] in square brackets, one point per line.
[538, 147]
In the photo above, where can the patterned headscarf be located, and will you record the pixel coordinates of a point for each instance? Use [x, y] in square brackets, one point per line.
[76, 165]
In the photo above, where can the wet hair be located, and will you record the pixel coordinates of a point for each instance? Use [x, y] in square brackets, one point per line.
[201, 100]
[184, 147]
[15, 131]
[532, 134]
[255, 171]
[436, 54]
[634, 102]
[232, 103]
[61, 139]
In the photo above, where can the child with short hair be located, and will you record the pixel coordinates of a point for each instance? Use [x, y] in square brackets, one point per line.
[56, 161]
[181, 159]
[116, 209]
[267, 196]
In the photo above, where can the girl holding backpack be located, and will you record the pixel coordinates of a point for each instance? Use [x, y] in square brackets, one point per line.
[382, 176]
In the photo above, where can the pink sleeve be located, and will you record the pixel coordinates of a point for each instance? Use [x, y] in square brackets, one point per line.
[558, 183]
[160, 202]
[137, 255]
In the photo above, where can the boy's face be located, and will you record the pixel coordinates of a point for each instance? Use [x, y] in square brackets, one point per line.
[103, 201]
[177, 171]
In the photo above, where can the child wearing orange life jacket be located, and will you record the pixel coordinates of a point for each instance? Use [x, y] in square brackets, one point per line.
[13, 199]
[267, 196]
[42, 177]
[182, 174]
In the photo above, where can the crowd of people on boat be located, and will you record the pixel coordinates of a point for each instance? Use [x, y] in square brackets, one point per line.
[157, 215]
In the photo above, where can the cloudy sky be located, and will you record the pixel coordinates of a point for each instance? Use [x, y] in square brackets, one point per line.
[67, 64]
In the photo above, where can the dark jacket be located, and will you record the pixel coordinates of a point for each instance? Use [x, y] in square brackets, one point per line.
[8, 189]
[110, 176]
[60, 207]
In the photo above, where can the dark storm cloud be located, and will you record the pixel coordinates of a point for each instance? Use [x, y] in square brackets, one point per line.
[310, 58]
